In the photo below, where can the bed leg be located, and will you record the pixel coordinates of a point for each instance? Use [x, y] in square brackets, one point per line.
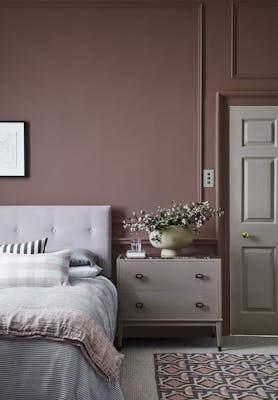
[120, 335]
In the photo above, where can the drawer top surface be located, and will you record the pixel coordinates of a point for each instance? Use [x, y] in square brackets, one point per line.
[156, 258]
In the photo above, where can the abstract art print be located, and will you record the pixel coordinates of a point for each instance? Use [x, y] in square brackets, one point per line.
[12, 151]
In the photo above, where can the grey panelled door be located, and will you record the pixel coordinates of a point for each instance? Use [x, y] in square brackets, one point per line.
[253, 220]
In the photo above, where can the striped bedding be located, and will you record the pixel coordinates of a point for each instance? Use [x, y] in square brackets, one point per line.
[40, 369]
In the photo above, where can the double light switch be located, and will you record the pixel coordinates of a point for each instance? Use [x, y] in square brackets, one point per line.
[208, 178]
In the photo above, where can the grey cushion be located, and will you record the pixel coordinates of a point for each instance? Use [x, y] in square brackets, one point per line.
[79, 256]
[82, 257]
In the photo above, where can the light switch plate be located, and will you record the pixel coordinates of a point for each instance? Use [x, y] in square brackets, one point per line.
[208, 178]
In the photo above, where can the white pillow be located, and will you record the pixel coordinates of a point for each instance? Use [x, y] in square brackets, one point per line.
[46, 269]
[85, 271]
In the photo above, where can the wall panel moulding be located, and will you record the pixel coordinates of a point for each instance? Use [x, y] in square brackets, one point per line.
[197, 26]
[101, 3]
[254, 22]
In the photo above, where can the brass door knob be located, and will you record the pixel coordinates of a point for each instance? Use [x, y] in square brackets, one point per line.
[245, 235]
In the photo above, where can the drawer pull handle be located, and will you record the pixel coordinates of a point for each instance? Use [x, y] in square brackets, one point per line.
[139, 305]
[199, 305]
[141, 277]
[199, 276]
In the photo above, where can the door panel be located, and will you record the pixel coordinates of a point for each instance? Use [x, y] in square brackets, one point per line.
[253, 209]
[258, 171]
[257, 280]
[259, 132]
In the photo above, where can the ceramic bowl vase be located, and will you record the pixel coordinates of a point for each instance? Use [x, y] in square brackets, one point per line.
[171, 241]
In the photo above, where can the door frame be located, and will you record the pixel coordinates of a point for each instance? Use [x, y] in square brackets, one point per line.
[224, 99]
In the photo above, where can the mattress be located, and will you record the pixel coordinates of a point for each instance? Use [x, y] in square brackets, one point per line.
[40, 369]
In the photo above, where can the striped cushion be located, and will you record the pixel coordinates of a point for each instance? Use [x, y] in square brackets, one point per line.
[49, 269]
[33, 247]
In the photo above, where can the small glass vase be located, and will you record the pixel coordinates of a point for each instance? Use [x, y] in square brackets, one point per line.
[135, 245]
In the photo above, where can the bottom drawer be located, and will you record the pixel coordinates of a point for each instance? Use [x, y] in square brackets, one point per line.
[146, 305]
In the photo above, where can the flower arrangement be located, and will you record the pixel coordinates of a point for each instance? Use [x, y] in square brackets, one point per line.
[193, 216]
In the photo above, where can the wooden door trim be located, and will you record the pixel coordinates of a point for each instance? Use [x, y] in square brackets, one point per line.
[222, 168]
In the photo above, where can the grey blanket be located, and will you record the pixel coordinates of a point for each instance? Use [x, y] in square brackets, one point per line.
[40, 369]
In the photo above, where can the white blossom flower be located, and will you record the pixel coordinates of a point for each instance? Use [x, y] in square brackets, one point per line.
[192, 215]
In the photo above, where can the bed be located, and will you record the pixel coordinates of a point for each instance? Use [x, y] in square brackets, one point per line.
[43, 369]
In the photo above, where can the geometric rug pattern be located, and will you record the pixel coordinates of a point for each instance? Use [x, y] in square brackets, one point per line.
[216, 376]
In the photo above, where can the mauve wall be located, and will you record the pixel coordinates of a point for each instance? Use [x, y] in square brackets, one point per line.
[111, 97]
[120, 97]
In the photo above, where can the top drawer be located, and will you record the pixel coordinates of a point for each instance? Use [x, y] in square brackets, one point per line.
[157, 274]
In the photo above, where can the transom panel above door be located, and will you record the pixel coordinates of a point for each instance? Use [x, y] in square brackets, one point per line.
[253, 219]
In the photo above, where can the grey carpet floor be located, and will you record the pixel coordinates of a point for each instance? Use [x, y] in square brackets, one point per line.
[137, 377]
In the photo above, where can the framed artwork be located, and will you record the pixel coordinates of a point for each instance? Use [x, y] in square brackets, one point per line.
[12, 148]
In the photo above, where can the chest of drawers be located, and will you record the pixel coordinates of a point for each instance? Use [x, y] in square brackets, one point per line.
[176, 292]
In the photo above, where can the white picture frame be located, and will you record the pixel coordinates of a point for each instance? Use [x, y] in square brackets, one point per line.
[12, 148]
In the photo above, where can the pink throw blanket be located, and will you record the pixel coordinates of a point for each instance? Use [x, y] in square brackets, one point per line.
[59, 324]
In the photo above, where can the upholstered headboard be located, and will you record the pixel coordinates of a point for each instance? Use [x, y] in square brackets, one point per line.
[65, 226]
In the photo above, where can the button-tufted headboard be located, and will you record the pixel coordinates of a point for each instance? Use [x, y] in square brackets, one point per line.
[65, 226]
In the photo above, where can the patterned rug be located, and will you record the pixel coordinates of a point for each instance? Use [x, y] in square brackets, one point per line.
[216, 376]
